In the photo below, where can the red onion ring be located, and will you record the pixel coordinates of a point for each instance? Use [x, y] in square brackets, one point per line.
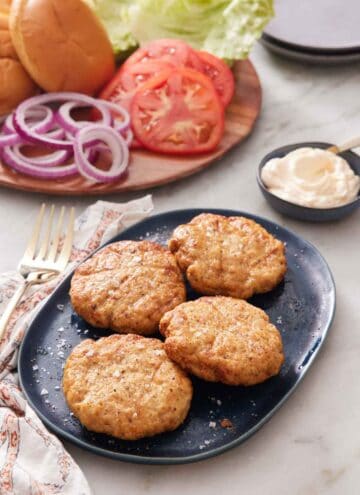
[34, 123]
[124, 124]
[8, 139]
[128, 136]
[11, 137]
[24, 167]
[72, 126]
[117, 146]
[53, 159]
[25, 131]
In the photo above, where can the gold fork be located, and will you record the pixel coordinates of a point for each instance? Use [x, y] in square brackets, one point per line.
[352, 143]
[42, 261]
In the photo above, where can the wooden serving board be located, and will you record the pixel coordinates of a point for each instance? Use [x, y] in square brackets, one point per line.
[148, 169]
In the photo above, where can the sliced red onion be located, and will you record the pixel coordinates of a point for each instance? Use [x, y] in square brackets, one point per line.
[38, 124]
[34, 123]
[72, 126]
[26, 132]
[97, 147]
[53, 159]
[128, 136]
[124, 123]
[8, 139]
[116, 144]
[40, 117]
[37, 170]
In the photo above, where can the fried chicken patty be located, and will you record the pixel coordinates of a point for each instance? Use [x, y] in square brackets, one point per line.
[222, 339]
[127, 287]
[229, 256]
[126, 386]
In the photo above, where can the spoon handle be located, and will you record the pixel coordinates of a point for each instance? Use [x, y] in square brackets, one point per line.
[348, 145]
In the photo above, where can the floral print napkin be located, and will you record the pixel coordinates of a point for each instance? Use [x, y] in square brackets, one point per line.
[32, 460]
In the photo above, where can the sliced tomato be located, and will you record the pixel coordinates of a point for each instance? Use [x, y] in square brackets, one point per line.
[122, 87]
[178, 112]
[175, 52]
[220, 74]
[128, 78]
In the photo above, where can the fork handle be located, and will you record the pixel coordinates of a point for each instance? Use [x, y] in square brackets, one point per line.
[352, 143]
[4, 320]
[33, 278]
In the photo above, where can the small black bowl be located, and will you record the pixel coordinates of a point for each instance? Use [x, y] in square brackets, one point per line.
[304, 212]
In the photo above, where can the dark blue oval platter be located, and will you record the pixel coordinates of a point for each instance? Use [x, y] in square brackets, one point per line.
[302, 307]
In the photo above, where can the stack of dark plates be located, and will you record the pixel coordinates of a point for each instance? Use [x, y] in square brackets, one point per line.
[318, 31]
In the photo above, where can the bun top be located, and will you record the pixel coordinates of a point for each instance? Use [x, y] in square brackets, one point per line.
[62, 44]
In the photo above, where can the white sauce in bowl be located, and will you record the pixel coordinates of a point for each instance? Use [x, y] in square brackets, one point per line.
[311, 177]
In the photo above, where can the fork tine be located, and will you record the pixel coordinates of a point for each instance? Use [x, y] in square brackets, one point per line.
[68, 241]
[45, 243]
[55, 243]
[30, 248]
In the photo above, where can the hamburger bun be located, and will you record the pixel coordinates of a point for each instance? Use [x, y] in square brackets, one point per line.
[4, 21]
[6, 47]
[62, 44]
[15, 83]
[4, 6]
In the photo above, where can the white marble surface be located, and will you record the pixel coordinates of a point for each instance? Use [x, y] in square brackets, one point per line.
[312, 445]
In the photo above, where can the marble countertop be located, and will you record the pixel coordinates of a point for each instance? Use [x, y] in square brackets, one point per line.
[311, 446]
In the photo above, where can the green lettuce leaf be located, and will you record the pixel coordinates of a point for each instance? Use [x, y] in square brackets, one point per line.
[115, 16]
[227, 29]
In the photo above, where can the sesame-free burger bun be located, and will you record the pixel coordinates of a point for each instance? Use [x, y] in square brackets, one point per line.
[6, 47]
[4, 14]
[62, 44]
[4, 7]
[15, 83]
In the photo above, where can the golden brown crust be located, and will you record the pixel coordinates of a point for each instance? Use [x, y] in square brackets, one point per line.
[230, 256]
[128, 286]
[7, 49]
[126, 386]
[15, 83]
[4, 8]
[62, 44]
[221, 339]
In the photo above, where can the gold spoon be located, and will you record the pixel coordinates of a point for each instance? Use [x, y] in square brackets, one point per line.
[348, 145]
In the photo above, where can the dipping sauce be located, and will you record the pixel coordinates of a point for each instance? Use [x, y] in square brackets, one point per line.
[311, 177]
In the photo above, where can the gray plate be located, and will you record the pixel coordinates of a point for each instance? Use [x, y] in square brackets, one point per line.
[308, 56]
[327, 26]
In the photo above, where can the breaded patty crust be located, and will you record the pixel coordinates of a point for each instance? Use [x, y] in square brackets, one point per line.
[229, 256]
[222, 339]
[126, 386]
[127, 287]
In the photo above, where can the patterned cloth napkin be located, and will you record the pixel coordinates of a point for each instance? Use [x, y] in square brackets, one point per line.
[33, 461]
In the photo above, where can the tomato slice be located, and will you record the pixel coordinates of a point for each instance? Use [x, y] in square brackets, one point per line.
[122, 87]
[220, 74]
[128, 78]
[178, 112]
[174, 52]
